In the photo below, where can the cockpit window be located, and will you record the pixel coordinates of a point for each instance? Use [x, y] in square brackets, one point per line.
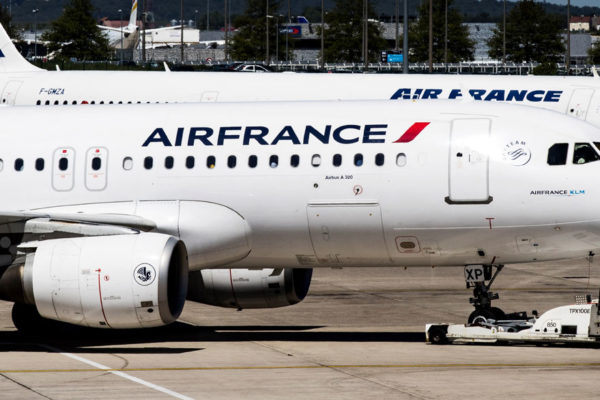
[584, 153]
[557, 154]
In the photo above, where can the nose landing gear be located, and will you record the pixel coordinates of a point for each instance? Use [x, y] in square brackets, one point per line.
[476, 277]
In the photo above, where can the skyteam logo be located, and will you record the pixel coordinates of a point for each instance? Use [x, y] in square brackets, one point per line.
[517, 153]
[144, 274]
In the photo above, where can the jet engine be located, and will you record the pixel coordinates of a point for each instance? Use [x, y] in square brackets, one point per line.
[243, 288]
[120, 281]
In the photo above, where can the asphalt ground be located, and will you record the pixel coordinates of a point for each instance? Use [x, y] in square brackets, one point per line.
[358, 335]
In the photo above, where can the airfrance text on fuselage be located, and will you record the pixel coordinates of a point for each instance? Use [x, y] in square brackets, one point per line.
[534, 96]
[261, 135]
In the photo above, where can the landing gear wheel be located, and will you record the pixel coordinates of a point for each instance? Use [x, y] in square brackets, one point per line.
[498, 313]
[476, 277]
[480, 316]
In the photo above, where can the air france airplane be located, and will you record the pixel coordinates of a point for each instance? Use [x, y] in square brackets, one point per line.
[129, 33]
[235, 204]
[23, 84]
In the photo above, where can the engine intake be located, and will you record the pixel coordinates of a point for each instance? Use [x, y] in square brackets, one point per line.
[242, 288]
[121, 281]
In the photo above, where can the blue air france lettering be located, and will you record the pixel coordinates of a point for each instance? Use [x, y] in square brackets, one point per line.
[534, 96]
[261, 135]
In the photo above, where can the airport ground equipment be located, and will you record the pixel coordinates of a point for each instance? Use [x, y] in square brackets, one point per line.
[577, 323]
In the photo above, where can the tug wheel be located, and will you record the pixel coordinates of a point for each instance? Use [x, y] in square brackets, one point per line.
[437, 334]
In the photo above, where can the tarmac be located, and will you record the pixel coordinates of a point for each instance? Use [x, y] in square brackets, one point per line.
[359, 334]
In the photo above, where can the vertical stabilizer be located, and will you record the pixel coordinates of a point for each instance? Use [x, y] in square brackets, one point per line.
[133, 17]
[10, 58]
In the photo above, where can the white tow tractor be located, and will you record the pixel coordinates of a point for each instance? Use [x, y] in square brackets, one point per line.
[578, 323]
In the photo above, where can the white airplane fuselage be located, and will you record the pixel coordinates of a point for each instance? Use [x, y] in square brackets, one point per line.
[460, 183]
[575, 96]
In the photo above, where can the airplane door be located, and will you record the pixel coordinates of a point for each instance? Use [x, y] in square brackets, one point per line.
[62, 169]
[469, 158]
[579, 104]
[95, 169]
[593, 114]
[347, 234]
[9, 94]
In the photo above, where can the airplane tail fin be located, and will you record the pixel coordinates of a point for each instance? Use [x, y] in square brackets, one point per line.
[10, 58]
[133, 17]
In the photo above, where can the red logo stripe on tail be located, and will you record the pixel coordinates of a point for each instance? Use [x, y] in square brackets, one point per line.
[412, 132]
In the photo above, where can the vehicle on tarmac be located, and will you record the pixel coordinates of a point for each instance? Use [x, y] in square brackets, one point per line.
[576, 323]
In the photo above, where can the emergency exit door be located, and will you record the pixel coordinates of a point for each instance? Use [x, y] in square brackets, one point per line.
[10, 91]
[580, 102]
[469, 162]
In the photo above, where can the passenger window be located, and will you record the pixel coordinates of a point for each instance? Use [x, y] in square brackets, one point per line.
[231, 161]
[316, 160]
[337, 160]
[127, 163]
[358, 160]
[19, 164]
[211, 162]
[401, 160]
[55, 102]
[273, 161]
[190, 161]
[63, 164]
[65, 103]
[47, 102]
[379, 159]
[1, 164]
[169, 162]
[295, 160]
[39, 102]
[96, 163]
[148, 162]
[74, 102]
[39, 164]
[584, 153]
[557, 154]
[252, 161]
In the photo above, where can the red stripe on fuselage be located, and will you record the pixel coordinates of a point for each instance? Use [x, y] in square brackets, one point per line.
[412, 132]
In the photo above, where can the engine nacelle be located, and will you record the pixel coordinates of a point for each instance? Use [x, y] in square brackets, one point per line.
[122, 281]
[242, 288]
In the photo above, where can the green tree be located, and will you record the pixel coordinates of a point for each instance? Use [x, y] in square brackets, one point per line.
[6, 21]
[76, 35]
[594, 53]
[344, 33]
[460, 46]
[531, 35]
[249, 43]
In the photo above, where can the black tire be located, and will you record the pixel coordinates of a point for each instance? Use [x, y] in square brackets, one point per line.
[485, 314]
[498, 313]
[480, 316]
[437, 334]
